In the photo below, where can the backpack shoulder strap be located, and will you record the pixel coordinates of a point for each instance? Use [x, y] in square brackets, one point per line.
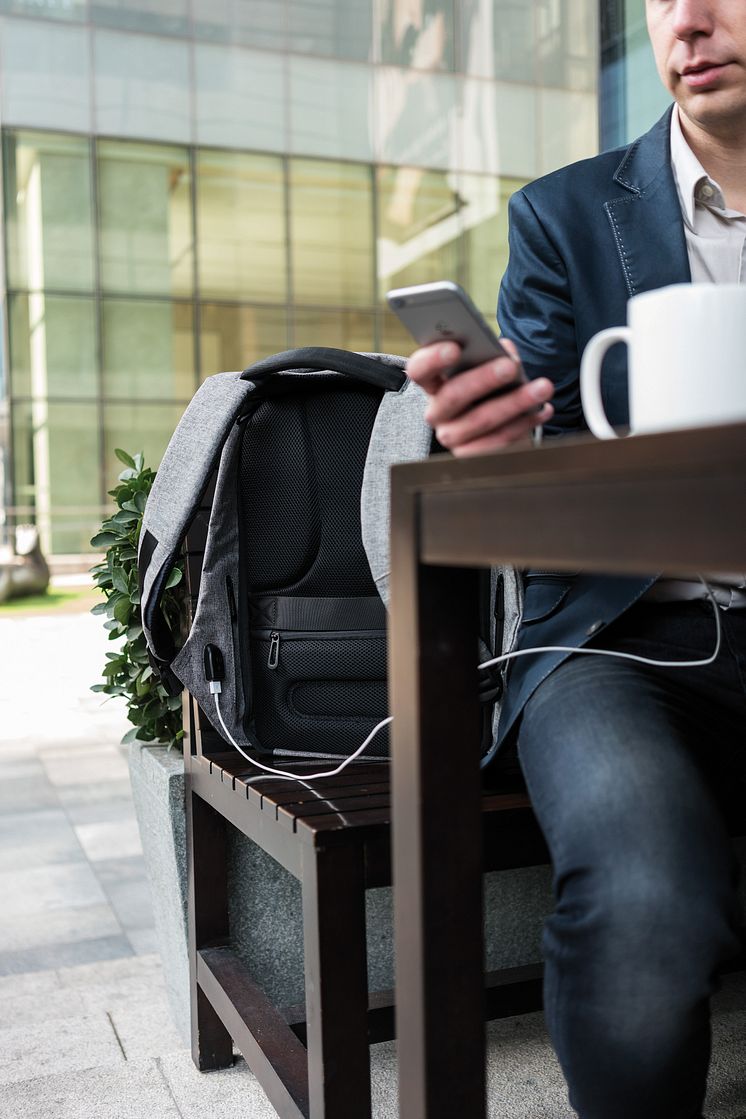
[181, 480]
[382, 370]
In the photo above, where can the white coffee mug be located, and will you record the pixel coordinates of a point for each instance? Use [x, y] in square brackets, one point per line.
[687, 360]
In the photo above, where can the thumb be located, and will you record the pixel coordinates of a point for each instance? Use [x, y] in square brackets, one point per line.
[511, 349]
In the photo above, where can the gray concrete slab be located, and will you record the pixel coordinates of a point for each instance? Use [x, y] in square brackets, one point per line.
[134, 1090]
[37, 839]
[64, 954]
[60, 1045]
[229, 1094]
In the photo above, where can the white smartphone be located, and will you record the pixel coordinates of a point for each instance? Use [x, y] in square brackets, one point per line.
[443, 312]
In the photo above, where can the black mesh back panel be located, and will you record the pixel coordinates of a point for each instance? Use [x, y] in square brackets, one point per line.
[302, 463]
[301, 470]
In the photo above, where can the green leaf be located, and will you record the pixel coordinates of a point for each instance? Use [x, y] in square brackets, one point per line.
[99, 687]
[124, 457]
[140, 500]
[127, 475]
[103, 540]
[100, 608]
[174, 579]
[131, 735]
[120, 581]
[122, 611]
[139, 461]
[126, 517]
[134, 632]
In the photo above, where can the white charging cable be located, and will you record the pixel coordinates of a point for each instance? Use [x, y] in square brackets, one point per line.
[215, 690]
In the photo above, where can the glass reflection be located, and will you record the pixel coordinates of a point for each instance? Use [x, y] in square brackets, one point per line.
[417, 34]
[418, 226]
[349, 330]
[148, 349]
[52, 345]
[48, 212]
[234, 336]
[331, 237]
[241, 229]
[145, 217]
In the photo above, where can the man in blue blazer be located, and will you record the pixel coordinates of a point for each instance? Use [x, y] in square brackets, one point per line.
[622, 758]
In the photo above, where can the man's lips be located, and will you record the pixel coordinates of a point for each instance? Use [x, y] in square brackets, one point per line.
[703, 74]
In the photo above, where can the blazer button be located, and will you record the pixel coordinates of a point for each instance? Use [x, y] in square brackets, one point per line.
[593, 629]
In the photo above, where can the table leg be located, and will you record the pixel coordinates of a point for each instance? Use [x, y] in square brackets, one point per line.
[437, 849]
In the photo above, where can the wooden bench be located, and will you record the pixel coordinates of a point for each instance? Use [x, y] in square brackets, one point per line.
[335, 839]
[313, 1061]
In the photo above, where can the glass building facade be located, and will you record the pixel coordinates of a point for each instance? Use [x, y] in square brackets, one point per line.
[191, 184]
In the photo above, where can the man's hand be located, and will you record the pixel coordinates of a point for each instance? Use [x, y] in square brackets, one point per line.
[464, 427]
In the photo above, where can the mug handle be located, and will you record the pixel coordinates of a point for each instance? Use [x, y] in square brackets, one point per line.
[590, 379]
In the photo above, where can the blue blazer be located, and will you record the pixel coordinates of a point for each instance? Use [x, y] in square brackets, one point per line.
[582, 241]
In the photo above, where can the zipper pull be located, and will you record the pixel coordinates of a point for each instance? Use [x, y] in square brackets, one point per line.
[274, 649]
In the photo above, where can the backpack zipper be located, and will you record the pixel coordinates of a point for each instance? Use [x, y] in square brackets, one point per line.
[274, 649]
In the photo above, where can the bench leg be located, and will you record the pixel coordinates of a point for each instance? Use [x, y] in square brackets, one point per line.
[336, 983]
[212, 1047]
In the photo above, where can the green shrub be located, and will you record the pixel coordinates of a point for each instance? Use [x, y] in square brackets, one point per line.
[156, 716]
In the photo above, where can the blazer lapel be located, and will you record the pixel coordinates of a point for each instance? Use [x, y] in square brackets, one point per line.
[646, 222]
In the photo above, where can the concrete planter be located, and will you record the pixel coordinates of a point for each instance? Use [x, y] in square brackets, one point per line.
[265, 910]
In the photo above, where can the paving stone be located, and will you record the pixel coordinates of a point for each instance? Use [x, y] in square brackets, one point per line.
[119, 839]
[40, 838]
[44, 957]
[100, 812]
[43, 889]
[228, 1094]
[144, 941]
[28, 983]
[125, 884]
[134, 1090]
[58, 926]
[63, 1045]
[115, 792]
[144, 1025]
[27, 794]
[20, 1010]
[85, 764]
[147, 969]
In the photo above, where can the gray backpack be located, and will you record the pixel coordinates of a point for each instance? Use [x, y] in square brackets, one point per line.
[290, 617]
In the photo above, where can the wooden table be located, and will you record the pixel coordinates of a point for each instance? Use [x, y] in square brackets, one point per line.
[673, 502]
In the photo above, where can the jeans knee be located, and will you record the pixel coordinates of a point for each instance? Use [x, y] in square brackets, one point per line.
[639, 919]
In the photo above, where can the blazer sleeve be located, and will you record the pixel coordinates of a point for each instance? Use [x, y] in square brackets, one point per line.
[535, 311]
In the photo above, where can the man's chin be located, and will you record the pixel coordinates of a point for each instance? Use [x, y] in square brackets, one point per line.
[718, 111]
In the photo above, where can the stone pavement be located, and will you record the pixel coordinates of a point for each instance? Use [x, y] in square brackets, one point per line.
[84, 1022]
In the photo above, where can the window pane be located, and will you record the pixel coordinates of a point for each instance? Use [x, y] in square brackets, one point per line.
[395, 338]
[52, 346]
[240, 98]
[253, 23]
[137, 427]
[332, 233]
[47, 9]
[418, 35]
[418, 117]
[232, 337]
[349, 330]
[341, 28]
[146, 219]
[569, 124]
[170, 17]
[329, 108]
[419, 227]
[484, 239]
[567, 33]
[148, 349]
[48, 212]
[498, 39]
[56, 459]
[46, 75]
[142, 86]
[241, 226]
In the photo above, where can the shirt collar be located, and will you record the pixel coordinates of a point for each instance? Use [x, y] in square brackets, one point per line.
[689, 173]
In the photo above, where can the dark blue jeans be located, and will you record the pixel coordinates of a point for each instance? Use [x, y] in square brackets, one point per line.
[624, 764]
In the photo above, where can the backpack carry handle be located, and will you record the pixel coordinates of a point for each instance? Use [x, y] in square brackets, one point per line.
[323, 358]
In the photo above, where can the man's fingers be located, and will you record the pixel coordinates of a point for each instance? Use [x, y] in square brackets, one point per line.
[430, 365]
[496, 416]
[511, 434]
